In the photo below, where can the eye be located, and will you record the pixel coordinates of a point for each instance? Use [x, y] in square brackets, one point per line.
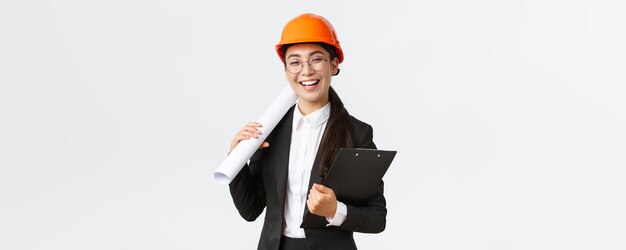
[294, 63]
[317, 60]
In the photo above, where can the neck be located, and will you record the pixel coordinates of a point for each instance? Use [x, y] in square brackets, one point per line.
[310, 107]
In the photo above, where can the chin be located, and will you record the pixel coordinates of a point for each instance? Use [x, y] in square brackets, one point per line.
[309, 98]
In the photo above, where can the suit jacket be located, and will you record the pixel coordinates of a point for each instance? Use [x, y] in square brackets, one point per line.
[262, 184]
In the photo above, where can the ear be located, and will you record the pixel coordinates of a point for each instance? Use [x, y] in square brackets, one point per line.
[335, 66]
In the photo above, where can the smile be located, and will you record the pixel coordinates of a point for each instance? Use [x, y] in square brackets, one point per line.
[309, 83]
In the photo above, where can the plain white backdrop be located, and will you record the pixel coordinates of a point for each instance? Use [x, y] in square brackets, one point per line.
[508, 116]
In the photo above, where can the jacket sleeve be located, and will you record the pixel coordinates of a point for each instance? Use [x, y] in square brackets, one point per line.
[370, 218]
[247, 189]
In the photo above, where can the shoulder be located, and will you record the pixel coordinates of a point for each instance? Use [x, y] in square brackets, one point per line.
[363, 134]
[359, 125]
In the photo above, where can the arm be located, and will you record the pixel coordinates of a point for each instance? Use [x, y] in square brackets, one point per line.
[247, 189]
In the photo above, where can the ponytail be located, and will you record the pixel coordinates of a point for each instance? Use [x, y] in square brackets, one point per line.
[338, 132]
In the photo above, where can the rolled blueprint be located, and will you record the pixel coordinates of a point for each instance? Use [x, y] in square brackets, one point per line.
[237, 158]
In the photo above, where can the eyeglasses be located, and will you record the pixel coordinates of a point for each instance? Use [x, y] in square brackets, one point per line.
[294, 66]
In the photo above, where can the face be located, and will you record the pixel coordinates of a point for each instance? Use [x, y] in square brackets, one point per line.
[310, 84]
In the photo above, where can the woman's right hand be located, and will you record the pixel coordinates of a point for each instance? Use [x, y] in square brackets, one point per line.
[250, 130]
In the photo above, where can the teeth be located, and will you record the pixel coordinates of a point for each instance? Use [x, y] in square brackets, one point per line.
[309, 83]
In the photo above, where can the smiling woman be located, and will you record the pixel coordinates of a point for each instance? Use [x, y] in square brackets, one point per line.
[282, 175]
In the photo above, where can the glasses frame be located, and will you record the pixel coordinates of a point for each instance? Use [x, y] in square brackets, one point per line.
[323, 63]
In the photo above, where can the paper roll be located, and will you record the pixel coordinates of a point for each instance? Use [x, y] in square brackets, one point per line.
[237, 158]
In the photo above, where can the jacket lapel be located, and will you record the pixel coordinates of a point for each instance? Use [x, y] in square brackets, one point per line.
[315, 178]
[283, 142]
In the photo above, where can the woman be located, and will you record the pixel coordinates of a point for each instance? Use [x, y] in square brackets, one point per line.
[282, 175]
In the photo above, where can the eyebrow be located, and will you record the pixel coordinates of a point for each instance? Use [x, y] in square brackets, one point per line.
[310, 54]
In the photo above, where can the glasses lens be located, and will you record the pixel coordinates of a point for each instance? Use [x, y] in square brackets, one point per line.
[317, 63]
[294, 66]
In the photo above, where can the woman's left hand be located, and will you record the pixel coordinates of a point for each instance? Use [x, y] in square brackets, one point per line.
[322, 201]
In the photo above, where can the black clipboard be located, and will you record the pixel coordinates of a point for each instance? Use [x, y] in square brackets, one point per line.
[354, 176]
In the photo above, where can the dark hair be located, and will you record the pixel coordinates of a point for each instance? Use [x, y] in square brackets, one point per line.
[339, 130]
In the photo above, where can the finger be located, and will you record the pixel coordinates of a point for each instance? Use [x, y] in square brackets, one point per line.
[321, 188]
[309, 205]
[239, 138]
[254, 124]
[264, 145]
[319, 196]
[313, 195]
[313, 201]
[251, 130]
[249, 134]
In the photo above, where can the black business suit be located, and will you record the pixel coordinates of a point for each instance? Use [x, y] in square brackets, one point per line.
[262, 184]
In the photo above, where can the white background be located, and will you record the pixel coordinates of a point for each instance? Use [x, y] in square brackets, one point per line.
[508, 116]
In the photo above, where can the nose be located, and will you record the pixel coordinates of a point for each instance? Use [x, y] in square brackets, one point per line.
[306, 69]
